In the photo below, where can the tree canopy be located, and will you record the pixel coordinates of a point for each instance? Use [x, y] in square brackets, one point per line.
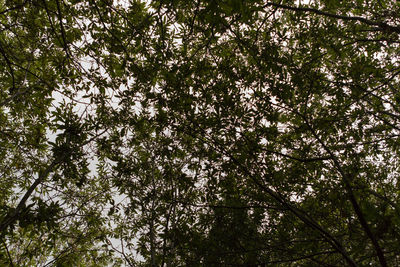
[199, 133]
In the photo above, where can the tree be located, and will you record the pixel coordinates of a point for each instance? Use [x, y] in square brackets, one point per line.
[51, 206]
[235, 132]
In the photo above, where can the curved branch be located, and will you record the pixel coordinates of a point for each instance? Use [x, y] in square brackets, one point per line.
[381, 25]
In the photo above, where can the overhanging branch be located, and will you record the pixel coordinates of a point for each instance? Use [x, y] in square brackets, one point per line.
[381, 25]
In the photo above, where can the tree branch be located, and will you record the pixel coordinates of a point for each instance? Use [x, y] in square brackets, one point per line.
[8, 253]
[66, 49]
[304, 217]
[14, 8]
[11, 218]
[381, 25]
[352, 197]
[309, 256]
[9, 64]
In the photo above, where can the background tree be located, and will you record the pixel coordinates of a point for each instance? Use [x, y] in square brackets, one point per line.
[51, 206]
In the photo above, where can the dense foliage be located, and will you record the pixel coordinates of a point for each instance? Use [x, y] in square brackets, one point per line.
[199, 133]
